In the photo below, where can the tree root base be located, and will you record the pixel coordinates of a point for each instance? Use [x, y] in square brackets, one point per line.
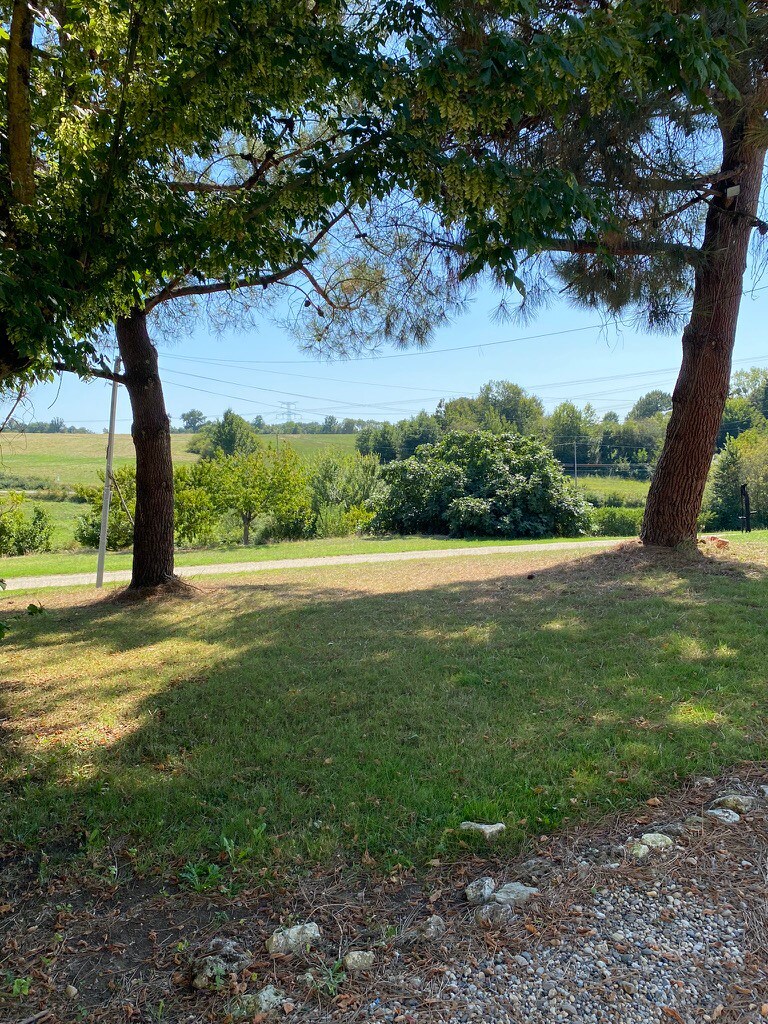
[172, 587]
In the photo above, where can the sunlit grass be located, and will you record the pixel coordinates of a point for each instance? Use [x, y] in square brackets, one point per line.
[373, 708]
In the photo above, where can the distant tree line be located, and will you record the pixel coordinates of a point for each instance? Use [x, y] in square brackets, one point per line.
[54, 426]
[195, 421]
[578, 437]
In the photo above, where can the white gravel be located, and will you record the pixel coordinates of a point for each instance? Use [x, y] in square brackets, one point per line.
[678, 938]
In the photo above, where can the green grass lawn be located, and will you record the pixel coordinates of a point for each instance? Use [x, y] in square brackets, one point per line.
[55, 562]
[628, 490]
[64, 460]
[374, 709]
[64, 515]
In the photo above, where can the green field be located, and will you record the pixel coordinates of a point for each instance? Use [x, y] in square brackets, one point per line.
[366, 712]
[63, 460]
[630, 491]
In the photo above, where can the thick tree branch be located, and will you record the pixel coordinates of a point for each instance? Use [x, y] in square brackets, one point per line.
[619, 247]
[92, 371]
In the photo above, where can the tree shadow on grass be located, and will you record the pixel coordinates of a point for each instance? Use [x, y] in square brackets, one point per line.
[378, 713]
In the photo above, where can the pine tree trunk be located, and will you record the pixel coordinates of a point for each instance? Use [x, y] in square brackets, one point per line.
[153, 529]
[677, 488]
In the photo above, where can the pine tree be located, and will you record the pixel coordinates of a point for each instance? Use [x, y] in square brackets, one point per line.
[724, 498]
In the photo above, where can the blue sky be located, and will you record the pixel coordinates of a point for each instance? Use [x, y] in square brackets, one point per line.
[564, 355]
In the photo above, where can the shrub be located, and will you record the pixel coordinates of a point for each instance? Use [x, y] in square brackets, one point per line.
[21, 534]
[338, 521]
[480, 484]
[195, 514]
[120, 523]
[616, 522]
[348, 480]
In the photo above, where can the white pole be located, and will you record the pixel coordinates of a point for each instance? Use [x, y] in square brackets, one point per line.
[107, 496]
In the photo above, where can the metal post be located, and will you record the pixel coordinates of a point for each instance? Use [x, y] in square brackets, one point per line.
[107, 496]
[575, 465]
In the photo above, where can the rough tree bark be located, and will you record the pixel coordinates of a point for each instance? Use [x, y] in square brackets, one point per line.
[153, 529]
[677, 489]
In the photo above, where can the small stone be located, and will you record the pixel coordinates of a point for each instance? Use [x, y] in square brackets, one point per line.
[705, 780]
[493, 915]
[426, 931]
[488, 832]
[221, 958]
[264, 1001]
[535, 869]
[307, 979]
[638, 851]
[764, 791]
[295, 939]
[723, 814]
[735, 802]
[359, 960]
[694, 821]
[480, 891]
[514, 894]
[433, 928]
[70, 991]
[656, 841]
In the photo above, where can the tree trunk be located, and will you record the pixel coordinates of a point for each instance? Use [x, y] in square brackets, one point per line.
[677, 488]
[153, 528]
[12, 362]
[246, 531]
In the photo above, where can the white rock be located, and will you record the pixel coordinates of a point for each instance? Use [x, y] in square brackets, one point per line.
[268, 998]
[735, 802]
[248, 1006]
[487, 831]
[723, 814]
[70, 991]
[656, 841]
[638, 851]
[221, 958]
[514, 894]
[492, 915]
[480, 891]
[359, 960]
[432, 928]
[295, 939]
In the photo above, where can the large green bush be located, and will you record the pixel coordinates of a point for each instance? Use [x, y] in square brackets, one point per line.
[480, 484]
[20, 534]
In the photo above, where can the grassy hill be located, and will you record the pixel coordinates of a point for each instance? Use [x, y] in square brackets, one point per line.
[63, 460]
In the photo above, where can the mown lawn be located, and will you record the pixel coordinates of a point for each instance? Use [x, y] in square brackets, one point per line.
[634, 491]
[63, 460]
[371, 709]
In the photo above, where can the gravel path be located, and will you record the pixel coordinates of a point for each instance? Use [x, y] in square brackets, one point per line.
[235, 568]
[679, 936]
